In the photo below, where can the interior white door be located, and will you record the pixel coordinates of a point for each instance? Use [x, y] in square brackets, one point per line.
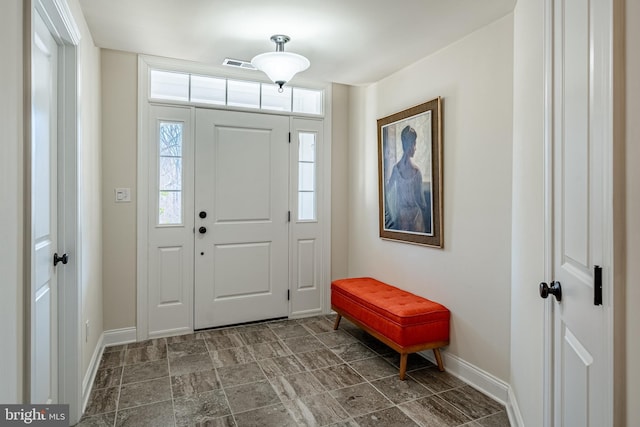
[581, 132]
[241, 221]
[44, 204]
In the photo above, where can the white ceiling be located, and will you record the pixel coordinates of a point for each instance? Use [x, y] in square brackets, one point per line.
[347, 41]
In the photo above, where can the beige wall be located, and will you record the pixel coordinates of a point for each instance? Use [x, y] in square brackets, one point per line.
[527, 250]
[632, 244]
[119, 135]
[119, 169]
[11, 284]
[89, 197]
[471, 275]
[339, 187]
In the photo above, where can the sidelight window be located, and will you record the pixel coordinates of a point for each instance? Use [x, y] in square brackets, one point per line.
[170, 173]
[306, 176]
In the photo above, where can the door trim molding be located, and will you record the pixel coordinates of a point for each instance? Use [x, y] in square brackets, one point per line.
[61, 23]
[12, 220]
[145, 62]
[325, 265]
[547, 345]
[142, 221]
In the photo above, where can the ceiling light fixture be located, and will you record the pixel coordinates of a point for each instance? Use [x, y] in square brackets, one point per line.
[280, 66]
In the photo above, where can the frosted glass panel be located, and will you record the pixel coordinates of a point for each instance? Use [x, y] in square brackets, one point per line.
[307, 101]
[169, 85]
[171, 139]
[307, 147]
[201, 89]
[170, 207]
[306, 176]
[243, 94]
[170, 173]
[274, 100]
[208, 90]
[306, 206]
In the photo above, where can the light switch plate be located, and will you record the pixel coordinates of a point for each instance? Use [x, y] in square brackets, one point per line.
[123, 195]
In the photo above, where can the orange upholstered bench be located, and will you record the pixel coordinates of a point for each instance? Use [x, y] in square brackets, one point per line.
[404, 321]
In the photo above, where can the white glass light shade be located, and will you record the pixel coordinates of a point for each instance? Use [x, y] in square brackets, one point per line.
[280, 67]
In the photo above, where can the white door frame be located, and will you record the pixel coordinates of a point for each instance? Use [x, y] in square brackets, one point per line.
[145, 63]
[604, 84]
[547, 348]
[60, 21]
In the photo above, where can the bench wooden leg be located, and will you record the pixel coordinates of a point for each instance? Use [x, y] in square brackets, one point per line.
[436, 353]
[337, 323]
[403, 365]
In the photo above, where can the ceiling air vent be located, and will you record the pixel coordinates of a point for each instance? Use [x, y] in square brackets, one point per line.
[237, 63]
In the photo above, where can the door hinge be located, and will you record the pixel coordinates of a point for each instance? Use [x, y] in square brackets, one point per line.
[597, 285]
[289, 216]
[288, 294]
[289, 137]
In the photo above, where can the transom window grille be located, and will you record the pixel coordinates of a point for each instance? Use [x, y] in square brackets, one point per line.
[306, 176]
[170, 173]
[198, 89]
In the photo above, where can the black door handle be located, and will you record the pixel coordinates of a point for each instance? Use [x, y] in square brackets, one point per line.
[63, 259]
[202, 230]
[555, 289]
[202, 214]
[597, 285]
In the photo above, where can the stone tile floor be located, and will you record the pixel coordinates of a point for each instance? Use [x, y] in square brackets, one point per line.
[279, 373]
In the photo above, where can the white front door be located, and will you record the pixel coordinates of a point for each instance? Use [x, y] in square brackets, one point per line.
[581, 134]
[241, 217]
[44, 204]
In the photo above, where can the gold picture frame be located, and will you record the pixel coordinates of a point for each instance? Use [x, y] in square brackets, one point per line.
[410, 175]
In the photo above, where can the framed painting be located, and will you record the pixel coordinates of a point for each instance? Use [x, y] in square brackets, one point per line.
[410, 175]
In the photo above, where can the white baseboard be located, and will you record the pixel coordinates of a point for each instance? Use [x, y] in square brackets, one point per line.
[107, 339]
[472, 375]
[515, 417]
[90, 375]
[119, 336]
[482, 381]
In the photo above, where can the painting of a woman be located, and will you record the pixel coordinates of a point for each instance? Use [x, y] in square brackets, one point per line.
[407, 175]
[406, 203]
[410, 175]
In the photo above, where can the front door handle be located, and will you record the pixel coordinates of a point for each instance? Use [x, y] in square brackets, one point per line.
[597, 285]
[555, 289]
[63, 259]
[202, 230]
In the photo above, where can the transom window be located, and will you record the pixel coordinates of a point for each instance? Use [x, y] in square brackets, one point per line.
[199, 89]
